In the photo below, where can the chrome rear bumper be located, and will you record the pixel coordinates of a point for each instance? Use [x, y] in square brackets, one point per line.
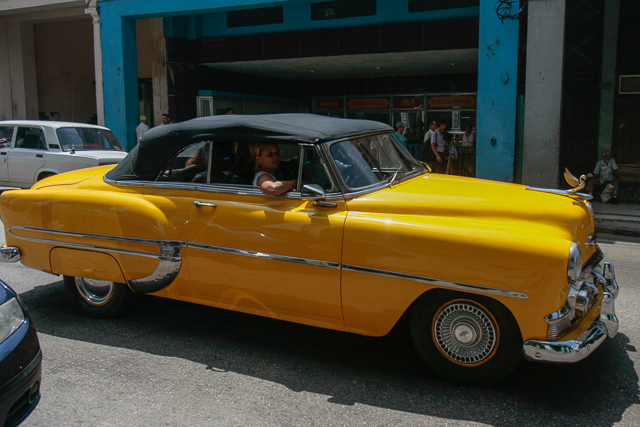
[603, 327]
[9, 254]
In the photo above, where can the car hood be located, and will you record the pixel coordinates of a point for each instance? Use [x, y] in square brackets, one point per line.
[510, 207]
[73, 177]
[104, 156]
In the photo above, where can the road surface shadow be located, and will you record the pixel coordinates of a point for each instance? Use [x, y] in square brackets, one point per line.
[384, 372]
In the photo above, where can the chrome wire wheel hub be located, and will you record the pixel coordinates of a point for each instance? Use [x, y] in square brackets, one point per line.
[96, 292]
[465, 333]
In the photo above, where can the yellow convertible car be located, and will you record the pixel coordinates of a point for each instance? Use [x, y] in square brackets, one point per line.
[329, 223]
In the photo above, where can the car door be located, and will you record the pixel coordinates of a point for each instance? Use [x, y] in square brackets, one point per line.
[275, 256]
[6, 134]
[27, 155]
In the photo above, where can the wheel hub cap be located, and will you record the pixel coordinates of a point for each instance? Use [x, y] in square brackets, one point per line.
[465, 333]
[95, 292]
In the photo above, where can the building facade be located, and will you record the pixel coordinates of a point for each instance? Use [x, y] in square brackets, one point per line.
[548, 88]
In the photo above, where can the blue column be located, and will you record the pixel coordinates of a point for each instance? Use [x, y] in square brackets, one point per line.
[497, 94]
[120, 68]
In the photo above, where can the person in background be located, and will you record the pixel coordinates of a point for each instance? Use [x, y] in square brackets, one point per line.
[229, 111]
[439, 148]
[468, 138]
[400, 127]
[605, 173]
[55, 116]
[166, 120]
[426, 145]
[141, 128]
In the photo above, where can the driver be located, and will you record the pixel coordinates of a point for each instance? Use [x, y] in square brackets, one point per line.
[267, 156]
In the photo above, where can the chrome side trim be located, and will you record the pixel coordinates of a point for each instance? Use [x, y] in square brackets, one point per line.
[169, 256]
[273, 257]
[442, 283]
[9, 254]
[90, 236]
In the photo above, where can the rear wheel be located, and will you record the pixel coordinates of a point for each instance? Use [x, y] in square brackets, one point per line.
[98, 298]
[466, 338]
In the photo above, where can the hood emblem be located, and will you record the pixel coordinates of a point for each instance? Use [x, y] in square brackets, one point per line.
[577, 184]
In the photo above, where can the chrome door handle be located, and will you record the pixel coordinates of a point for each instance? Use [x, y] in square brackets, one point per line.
[200, 204]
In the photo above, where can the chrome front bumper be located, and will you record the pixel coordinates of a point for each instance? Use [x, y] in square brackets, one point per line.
[9, 254]
[603, 327]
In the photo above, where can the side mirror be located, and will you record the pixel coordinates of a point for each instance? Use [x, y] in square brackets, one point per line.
[312, 192]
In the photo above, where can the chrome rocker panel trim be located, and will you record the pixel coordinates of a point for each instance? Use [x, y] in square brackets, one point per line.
[603, 327]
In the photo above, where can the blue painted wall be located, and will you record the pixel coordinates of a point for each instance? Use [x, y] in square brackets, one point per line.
[206, 18]
[497, 94]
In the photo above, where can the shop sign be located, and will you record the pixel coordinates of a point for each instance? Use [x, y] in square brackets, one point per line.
[407, 102]
[368, 103]
[451, 101]
[328, 104]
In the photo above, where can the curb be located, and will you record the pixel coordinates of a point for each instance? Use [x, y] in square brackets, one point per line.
[611, 224]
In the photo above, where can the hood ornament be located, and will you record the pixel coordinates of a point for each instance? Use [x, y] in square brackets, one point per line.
[577, 184]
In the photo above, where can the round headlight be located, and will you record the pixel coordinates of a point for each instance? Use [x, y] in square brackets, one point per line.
[574, 266]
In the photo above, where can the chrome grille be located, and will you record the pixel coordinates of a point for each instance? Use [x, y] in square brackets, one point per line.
[557, 329]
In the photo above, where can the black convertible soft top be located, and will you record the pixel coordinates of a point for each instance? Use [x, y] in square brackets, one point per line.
[161, 143]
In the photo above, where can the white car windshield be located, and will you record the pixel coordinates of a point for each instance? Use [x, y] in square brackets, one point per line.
[370, 160]
[88, 139]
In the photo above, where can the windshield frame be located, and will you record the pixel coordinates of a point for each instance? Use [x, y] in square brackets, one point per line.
[394, 179]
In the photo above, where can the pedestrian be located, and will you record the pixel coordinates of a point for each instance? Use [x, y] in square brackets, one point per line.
[141, 128]
[604, 174]
[229, 111]
[466, 142]
[400, 127]
[55, 116]
[439, 148]
[426, 143]
[166, 120]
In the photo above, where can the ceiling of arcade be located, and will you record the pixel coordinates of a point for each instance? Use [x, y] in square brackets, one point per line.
[455, 61]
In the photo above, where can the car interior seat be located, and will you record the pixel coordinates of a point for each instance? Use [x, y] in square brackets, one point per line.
[30, 140]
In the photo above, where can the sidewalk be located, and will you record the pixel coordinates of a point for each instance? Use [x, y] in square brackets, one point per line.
[622, 219]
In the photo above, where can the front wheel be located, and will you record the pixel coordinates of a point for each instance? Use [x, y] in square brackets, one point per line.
[466, 338]
[98, 298]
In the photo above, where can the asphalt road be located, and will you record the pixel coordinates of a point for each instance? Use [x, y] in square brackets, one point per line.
[176, 364]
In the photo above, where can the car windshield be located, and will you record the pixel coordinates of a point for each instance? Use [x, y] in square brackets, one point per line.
[372, 159]
[88, 139]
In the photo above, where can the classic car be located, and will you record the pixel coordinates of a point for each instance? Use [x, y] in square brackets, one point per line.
[31, 150]
[487, 272]
[20, 360]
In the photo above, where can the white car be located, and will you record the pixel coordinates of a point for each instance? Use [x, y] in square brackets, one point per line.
[34, 149]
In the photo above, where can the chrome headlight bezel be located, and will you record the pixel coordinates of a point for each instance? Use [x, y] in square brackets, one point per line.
[574, 264]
